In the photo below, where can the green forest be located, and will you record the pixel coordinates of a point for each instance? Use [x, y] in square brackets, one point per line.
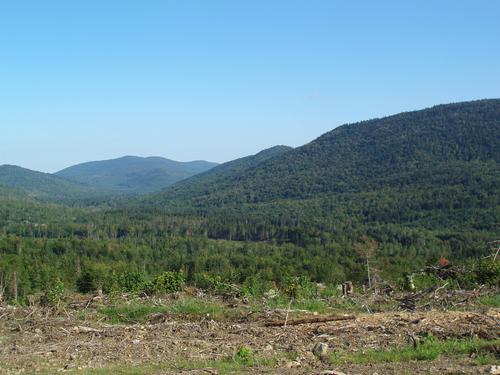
[420, 185]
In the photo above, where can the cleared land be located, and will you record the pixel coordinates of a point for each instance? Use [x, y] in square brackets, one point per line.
[193, 334]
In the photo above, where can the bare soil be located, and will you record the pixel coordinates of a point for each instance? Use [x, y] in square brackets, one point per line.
[40, 340]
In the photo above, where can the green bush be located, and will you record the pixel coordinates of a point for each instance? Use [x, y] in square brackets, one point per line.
[424, 281]
[167, 282]
[255, 286]
[55, 292]
[481, 272]
[487, 271]
[245, 356]
[89, 281]
[212, 283]
[297, 287]
[130, 281]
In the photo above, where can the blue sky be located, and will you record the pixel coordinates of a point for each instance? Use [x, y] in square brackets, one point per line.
[217, 80]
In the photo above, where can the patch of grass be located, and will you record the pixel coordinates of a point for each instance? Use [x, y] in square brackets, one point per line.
[124, 370]
[486, 359]
[309, 304]
[244, 361]
[130, 314]
[490, 301]
[197, 307]
[228, 365]
[346, 305]
[428, 350]
[313, 305]
[139, 312]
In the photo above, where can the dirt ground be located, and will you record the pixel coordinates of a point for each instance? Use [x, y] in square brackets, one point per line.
[36, 340]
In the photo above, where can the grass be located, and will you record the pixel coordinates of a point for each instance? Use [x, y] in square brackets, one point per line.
[428, 350]
[139, 312]
[197, 307]
[123, 370]
[491, 301]
[244, 361]
[129, 314]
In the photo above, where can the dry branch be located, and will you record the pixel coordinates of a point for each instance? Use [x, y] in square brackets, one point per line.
[319, 319]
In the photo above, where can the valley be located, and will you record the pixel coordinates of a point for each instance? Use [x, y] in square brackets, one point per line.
[145, 265]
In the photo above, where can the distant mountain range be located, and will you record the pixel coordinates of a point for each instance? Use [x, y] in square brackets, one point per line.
[97, 181]
[24, 183]
[132, 174]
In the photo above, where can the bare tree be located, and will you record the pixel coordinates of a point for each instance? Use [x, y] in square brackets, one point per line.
[366, 248]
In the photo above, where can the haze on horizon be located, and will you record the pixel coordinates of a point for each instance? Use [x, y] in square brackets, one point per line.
[220, 80]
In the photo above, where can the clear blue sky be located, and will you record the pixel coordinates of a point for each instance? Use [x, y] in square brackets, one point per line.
[217, 80]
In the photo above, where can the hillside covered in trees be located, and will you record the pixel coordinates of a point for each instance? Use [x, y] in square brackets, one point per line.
[415, 149]
[45, 187]
[421, 185]
[133, 174]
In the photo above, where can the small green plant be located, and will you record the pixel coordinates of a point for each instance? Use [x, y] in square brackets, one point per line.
[55, 293]
[245, 356]
[297, 287]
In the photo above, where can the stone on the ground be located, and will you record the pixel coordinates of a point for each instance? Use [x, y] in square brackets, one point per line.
[320, 349]
[331, 372]
[293, 364]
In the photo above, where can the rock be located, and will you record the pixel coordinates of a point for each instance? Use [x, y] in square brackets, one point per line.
[331, 372]
[81, 329]
[157, 318]
[293, 364]
[320, 349]
[495, 369]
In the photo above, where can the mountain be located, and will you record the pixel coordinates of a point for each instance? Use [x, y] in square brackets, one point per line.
[18, 182]
[435, 168]
[132, 174]
[408, 149]
[223, 176]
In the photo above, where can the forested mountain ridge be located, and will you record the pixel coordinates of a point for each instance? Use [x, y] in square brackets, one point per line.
[18, 182]
[224, 175]
[133, 174]
[421, 148]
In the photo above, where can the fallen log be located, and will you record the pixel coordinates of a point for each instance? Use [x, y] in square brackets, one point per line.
[318, 319]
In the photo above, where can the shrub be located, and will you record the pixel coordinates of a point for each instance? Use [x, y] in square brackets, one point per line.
[481, 271]
[89, 281]
[212, 283]
[244, 356]
[167, 282]
[255, 286]
[130, 281]
[297, 287]
[55, 292]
